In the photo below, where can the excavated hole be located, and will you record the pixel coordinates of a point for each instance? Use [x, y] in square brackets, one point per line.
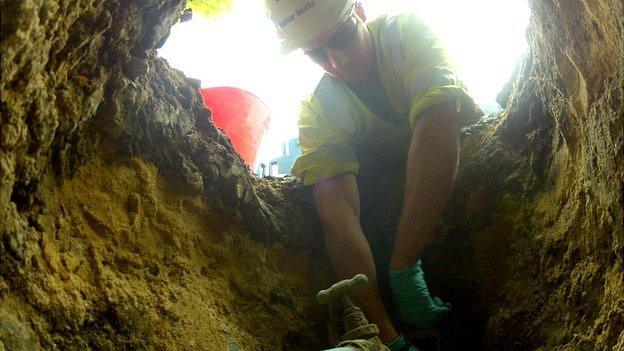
[128, 222]
[451, 258]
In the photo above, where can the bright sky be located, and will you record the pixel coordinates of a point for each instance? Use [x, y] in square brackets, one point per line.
[485, 38]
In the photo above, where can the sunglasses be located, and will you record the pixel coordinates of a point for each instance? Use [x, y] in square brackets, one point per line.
[338, 41]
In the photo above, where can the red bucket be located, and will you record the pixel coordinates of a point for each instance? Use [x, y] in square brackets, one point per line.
[242, 116]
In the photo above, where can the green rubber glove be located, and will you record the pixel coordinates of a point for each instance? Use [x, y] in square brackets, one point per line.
[415, 306]
[401, 344]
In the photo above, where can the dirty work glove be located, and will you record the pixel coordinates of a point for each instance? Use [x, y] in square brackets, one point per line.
[414, 304]
[401, 344]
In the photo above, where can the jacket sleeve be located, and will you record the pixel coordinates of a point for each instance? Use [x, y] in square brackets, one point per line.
[430, 78]
[326, 150]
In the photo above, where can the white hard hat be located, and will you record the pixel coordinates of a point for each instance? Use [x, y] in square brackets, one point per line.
[299, 21]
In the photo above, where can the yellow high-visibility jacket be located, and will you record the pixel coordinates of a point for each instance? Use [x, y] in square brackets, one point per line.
[415, 74]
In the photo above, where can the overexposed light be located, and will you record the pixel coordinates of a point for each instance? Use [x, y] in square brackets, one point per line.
[485, 38]
[240, 49]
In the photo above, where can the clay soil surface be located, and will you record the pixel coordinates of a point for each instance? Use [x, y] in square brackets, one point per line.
[130, 258]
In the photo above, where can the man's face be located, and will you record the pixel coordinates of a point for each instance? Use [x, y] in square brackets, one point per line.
[345, 51]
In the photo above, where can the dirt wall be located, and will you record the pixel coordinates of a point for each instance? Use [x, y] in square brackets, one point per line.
[536, 223]
[128, 222]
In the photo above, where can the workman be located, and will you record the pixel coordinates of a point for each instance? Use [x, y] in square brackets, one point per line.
[387, 75]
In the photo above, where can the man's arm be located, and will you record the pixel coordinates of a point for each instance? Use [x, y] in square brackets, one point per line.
[431, 169]
[338, 205]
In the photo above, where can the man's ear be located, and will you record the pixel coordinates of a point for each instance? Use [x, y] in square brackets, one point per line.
[359, 10]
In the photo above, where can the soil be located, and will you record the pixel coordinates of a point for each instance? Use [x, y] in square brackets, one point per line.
[130, 258]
